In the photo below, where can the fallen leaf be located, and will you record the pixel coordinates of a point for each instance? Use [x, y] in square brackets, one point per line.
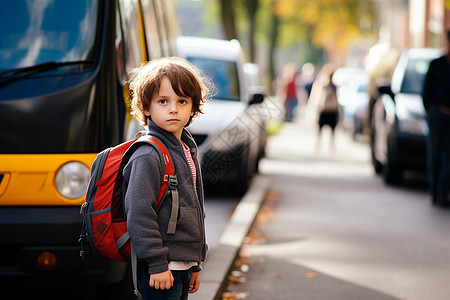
[310, 275]
[228, 296]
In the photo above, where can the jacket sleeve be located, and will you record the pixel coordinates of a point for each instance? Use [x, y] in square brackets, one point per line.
[142, 178]
[428, 86]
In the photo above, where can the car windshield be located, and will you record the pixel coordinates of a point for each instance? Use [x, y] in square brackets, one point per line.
[224, 75]
[415, 72]
[40, 31]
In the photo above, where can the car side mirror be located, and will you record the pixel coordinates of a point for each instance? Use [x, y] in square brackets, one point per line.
[256, 98]
[387, 90]
[257, 94]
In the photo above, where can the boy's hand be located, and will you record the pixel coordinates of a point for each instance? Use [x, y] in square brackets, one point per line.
[161, 281]
[195, 282]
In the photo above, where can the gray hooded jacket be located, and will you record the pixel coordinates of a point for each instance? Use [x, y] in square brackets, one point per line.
[143, 176]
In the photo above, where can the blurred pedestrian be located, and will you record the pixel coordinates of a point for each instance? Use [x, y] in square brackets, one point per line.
[436, 100]
[288, 90]
[328, 109]
[307, 78]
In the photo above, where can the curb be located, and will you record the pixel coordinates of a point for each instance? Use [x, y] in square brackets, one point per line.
[219, 262]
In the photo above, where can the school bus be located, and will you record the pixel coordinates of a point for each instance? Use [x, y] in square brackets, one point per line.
[63, 98]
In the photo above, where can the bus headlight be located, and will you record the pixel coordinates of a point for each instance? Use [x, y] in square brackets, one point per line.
[72, 179]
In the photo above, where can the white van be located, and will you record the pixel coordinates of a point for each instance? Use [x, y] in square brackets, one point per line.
[230, 132]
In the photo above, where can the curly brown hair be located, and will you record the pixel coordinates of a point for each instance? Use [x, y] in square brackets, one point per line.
[185, 78]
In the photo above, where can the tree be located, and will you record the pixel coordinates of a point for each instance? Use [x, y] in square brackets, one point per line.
[273, 42]
[334, 24]
[331, 25]
[251, 8]
[228, 19]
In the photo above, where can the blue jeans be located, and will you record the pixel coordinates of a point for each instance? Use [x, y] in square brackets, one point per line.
[289, 105]
[438, 152]
[179, 290]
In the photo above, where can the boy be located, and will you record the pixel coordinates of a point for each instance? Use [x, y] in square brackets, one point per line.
[166, 95]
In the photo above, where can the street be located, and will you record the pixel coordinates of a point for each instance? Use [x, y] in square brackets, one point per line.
[218, 212]
[219, 208]
[333, 230]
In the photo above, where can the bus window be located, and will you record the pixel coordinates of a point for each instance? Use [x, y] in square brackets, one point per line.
[131, 42]
[151, 29]
[161, 27]
[120, 52]
[171, 25]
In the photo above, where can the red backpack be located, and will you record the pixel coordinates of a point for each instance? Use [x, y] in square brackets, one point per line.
[104, 220]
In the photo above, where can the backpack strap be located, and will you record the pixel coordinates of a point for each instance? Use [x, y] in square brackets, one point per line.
[173, 182]
[134, 269]
[119, 243]
[169, 183]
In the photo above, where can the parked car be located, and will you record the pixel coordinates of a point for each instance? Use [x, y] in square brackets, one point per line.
[398, 127]
[229, 134]
[353, 100]
[343, 75]
[380, 64]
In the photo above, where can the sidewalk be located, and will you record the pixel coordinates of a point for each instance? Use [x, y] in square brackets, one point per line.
[319, 225]
[220, 263]
[271, 264]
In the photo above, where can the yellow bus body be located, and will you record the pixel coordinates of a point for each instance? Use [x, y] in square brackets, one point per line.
[29, 179]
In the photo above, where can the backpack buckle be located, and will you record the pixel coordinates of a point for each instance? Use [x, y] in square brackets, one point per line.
[83, 207]
[173, 182]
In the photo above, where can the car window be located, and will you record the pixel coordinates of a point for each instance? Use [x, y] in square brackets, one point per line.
[41, 32]
[362, 88]
[415, 72]
[224, 75]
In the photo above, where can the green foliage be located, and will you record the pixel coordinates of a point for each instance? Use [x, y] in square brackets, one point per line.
[313, 26]
[334, 23]
[325, 23]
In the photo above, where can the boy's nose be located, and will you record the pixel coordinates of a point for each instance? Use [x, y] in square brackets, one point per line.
[173, 108]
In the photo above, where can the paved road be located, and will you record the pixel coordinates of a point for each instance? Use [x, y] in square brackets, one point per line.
[334, 230]
[218, 212]
[219, 207]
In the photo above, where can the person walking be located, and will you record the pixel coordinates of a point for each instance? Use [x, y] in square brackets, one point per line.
[166, 95]
[328, 110]
[289, 90]
[436, 101]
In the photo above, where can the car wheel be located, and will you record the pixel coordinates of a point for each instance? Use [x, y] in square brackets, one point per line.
[262, 141]
[261, 154]
[247, 170]
[392, 172]
[122, 290]
[377, 166]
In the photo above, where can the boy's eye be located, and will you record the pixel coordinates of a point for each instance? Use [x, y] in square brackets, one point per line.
[163, 101]
[185, 100]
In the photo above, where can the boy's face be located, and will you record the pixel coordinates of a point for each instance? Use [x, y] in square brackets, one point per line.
[168, 110]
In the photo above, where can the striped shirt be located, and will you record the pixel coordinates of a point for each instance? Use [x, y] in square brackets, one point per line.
[187, 153]
[182, 265]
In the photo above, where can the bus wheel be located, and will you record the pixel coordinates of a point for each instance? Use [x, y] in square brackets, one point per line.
[122, 290]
